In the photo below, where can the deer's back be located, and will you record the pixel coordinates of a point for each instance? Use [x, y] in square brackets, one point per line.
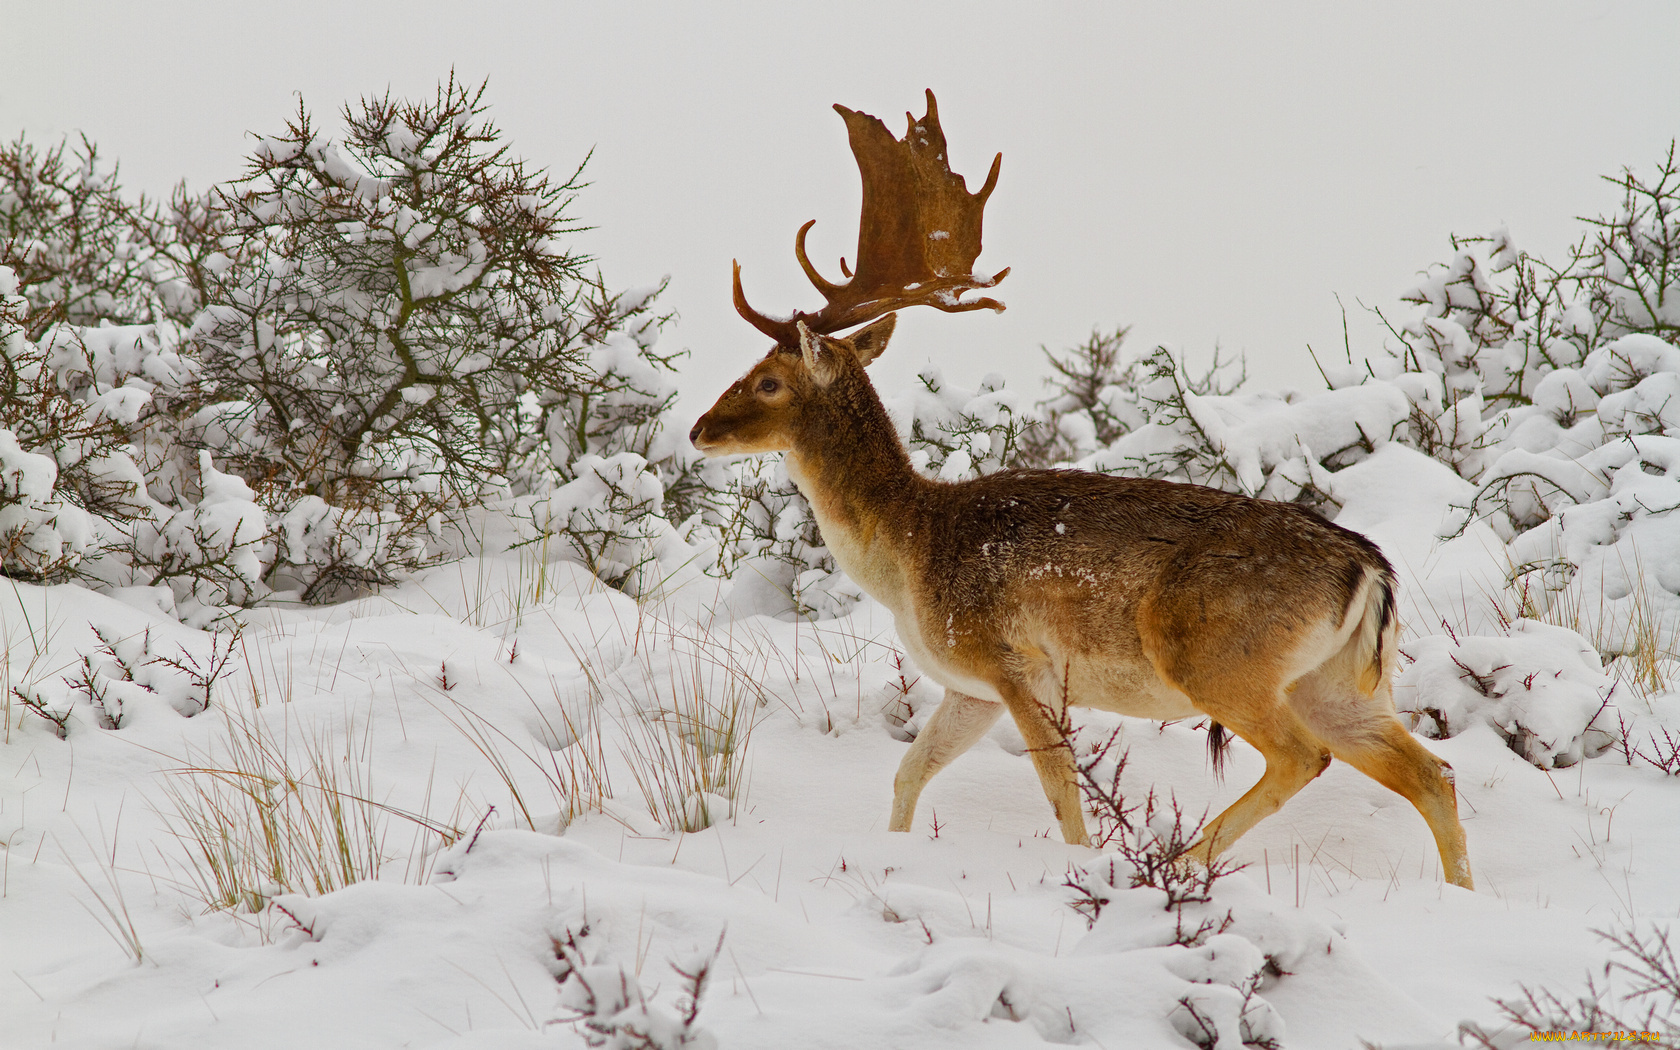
[1069, 567]
[984, 533]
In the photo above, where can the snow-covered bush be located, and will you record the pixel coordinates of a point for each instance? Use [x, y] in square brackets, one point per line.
[1281, 446]
[954, 434]
[209, 553]
[769, 519]
[609, 517]
[66, 230]
[619, 402]
[1632, 262]
[125, 674]
[405, 331]
[406, 297]
[1153, 418]
[85, 450]
[371, 334]
[1231, 944]
[1504, 338]
[88, 255]
[319, 550]
[40, 535]
[1540, 686]
[65, 465]
[1094, 401]
[1638, 990]
[104, 392]
[610, 1009]
[1554, 389]
[1494, 323]
[134, 378]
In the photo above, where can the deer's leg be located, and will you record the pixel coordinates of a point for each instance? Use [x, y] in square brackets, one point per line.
[1393, 758]
[1294, 756]
[1052, 759]
[957, 723]
[1360, 729]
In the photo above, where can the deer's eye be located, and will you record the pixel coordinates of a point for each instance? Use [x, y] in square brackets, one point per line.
[768, 385]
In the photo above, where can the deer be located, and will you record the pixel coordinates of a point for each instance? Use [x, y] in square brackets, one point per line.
[1032, 590]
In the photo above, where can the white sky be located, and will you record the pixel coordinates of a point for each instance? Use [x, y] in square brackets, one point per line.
[1204, 173]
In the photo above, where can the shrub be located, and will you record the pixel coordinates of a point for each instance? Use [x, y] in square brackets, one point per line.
[1283, 446]
[406, 296]
[371, 335]
[609, 1007]
[66, 231]
[1637, 998]
[65, 468]
[1094, 401]
[1554, 389]
[87, 255]
[405, 332]
[1494, 324]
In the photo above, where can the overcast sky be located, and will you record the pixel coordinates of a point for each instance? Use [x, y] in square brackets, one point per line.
[1207, 174]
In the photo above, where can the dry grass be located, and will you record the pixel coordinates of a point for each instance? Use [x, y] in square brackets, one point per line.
[686, 703]
[112, 915]
[680, 706]
[503, 599]
[271, 812]
[25, 644]
[1651, 651]
[1640, 647]
[576, 772]
[277, 807]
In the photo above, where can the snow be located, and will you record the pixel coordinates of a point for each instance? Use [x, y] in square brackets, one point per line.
[1539, 685]
[503, 804]
[442, 695]
[29, 516]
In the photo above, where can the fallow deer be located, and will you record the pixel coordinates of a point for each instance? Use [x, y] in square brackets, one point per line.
[1031, 589]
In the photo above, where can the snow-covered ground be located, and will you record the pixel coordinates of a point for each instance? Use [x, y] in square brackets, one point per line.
[472, 733]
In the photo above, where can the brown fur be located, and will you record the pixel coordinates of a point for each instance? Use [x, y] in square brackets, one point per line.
[1023, 589]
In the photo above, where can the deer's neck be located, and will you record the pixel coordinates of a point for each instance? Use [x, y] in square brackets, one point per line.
[848, 463]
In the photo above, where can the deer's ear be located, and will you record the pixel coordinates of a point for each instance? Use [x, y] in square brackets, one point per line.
[870, 341]
[819, 352]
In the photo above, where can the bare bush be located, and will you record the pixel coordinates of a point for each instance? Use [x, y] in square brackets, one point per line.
[610, 1008]
[1638, 999]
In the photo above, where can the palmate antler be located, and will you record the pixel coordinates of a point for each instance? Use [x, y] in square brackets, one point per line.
[918, 235]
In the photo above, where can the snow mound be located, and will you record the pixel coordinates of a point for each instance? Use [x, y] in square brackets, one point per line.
[1541, 687]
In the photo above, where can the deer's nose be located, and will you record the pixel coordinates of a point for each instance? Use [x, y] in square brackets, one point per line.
[694, 435]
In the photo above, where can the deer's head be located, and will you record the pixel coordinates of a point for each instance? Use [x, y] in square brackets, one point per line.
[758, 413]
[918, 237]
